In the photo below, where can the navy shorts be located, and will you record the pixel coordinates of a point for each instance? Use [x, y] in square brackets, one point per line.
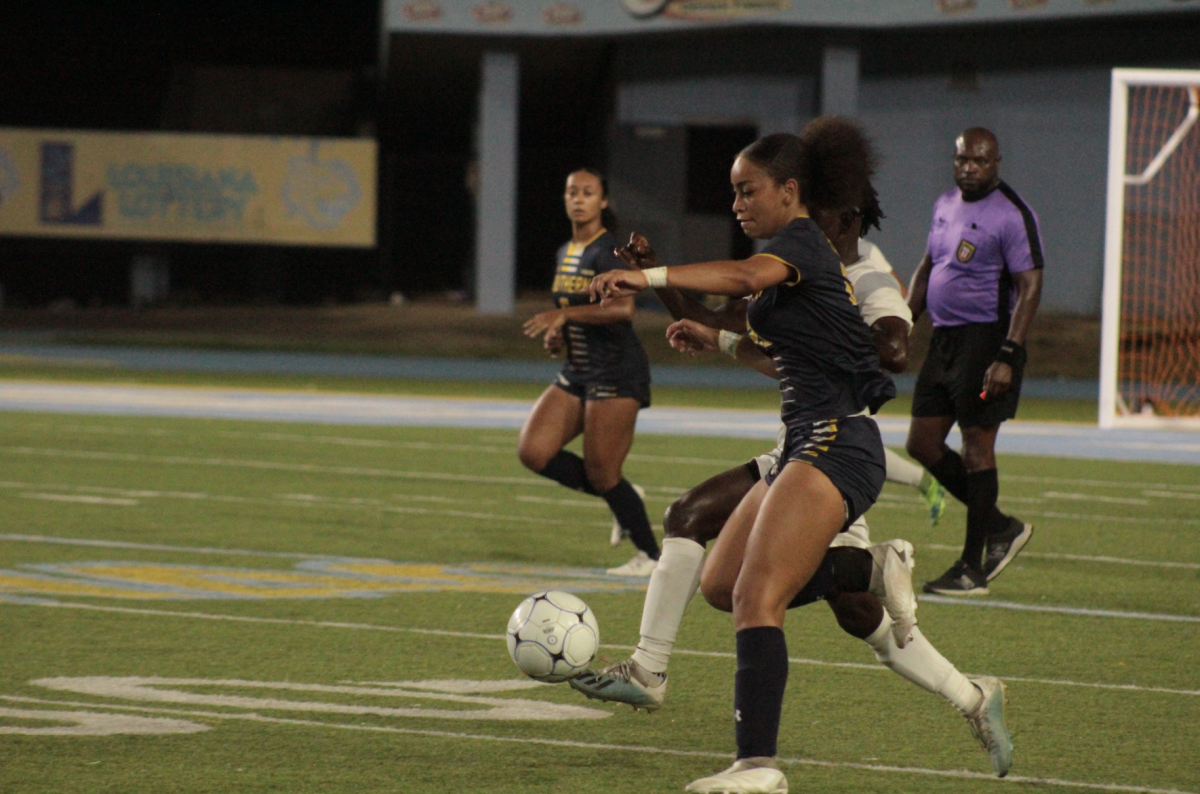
[848, 451]
[604, 388]
[951, 378]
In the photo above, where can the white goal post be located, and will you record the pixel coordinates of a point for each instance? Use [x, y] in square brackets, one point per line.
[1150, 333]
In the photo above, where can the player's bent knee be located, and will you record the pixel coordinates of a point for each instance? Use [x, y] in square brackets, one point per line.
[756, 603]
[922, 451]
[859, 614]
[682, 520]
[601, 477]
[719, 595]
[533, 458]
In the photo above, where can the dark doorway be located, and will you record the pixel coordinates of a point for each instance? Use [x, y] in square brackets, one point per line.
[710, 154]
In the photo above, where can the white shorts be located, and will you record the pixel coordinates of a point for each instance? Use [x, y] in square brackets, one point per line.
[857, 535]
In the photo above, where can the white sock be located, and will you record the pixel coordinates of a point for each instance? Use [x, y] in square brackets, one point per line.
[672, 586]
[902, 470]
[919, 662]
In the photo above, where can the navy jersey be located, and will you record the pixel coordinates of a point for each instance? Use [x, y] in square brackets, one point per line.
[811, 326]
[611, 350]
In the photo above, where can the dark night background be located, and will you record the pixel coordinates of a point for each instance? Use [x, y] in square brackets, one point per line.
[297, 67]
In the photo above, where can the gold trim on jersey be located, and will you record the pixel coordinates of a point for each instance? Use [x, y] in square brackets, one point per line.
[789, 264]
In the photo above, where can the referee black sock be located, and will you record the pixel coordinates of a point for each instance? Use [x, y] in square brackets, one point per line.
[761, 678]
[567, 468]
[982, 515]
[951, 472]
[630, 512]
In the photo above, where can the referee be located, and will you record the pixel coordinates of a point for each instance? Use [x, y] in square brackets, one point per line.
[981, 281]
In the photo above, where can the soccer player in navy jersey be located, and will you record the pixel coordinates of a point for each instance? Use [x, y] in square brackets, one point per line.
[803, 315]
[604, 382]
[980, 281]
[868, 586]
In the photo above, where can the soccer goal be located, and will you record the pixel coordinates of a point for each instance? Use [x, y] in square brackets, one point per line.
[1150, 336]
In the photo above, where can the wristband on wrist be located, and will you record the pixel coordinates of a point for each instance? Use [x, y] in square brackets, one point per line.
[656, 277]
[1011, 353]
[727, 342]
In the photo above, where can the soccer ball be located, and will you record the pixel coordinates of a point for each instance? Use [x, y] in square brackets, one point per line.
[552, 636]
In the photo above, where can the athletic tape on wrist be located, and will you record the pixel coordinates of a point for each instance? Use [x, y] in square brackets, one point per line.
[656, 277]
[727, 342]
[1011, 353]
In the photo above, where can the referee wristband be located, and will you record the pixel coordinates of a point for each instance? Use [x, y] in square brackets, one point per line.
[727, 342]
[656, 277]
[1011, 353]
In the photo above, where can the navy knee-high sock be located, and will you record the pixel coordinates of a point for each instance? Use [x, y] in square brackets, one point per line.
[758, 689]
[567, 468]
[630, 511]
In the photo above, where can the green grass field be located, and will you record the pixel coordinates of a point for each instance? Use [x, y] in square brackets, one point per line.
[324, 610]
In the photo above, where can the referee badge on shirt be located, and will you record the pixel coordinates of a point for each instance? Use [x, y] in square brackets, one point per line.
[965, 251]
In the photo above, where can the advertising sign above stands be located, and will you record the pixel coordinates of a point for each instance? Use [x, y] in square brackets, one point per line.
[617, 17]
[188, 187]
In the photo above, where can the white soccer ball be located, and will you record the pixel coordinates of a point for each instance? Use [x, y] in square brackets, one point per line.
[553, 636]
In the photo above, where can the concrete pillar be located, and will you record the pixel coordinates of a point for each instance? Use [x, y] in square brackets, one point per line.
[839, 81]
[496, 212]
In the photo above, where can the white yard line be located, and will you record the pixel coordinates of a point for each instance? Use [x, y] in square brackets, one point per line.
[325, 624]
[959, 774]
[308, 468]
[80, 499]
[1050, 555]
[1058, 610]
[117, 544]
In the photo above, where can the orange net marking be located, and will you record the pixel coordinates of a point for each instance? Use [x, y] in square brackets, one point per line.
[1159, 359]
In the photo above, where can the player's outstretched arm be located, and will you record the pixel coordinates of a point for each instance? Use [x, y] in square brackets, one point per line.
[736, 278]
[689, 336]
[752, 355]
[639, 255]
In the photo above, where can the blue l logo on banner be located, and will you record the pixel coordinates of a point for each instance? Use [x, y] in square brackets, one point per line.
[58, 180]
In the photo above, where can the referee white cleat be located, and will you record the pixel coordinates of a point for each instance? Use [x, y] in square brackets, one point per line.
[746, 776]
[627, 682]
[619, 533]
[891, 583]
[640, 565]
[987, 723]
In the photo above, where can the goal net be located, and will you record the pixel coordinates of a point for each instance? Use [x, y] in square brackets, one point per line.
[1150, 356]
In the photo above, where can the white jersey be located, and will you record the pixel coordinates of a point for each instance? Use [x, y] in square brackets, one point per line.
[876, 287]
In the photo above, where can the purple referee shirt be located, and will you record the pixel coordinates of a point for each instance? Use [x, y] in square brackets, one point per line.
[975, 246]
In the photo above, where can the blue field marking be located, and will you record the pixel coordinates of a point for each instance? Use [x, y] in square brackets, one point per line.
[1026, 438]
[25, 345]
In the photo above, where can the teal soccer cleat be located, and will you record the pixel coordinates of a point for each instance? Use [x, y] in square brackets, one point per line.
[627, 682]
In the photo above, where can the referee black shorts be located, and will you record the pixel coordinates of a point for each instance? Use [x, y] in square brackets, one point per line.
[951, 378]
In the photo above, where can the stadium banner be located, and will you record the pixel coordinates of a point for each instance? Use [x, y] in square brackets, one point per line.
[188, 187]
[616, 17]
